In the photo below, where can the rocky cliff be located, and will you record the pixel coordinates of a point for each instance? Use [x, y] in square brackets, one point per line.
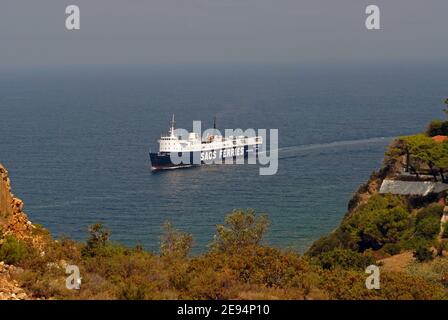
[12, 218]
[13, 221]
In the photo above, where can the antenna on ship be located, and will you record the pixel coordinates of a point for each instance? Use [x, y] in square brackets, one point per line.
[214, 122]
[172, 126]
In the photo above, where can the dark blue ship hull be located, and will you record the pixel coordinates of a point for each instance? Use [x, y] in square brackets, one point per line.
[162, 161]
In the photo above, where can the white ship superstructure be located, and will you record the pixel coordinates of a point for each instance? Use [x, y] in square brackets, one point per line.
[213, 147]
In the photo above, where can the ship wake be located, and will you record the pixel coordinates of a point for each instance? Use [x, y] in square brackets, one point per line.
[295, 151]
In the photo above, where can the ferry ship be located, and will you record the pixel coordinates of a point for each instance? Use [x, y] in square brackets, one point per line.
[175, 152]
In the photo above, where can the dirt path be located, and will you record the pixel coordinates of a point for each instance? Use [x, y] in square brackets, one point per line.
[398, 262]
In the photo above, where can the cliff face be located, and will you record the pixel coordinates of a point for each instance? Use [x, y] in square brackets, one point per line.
[390, 168]
[5, 192]
[13, 221]
[12, 218]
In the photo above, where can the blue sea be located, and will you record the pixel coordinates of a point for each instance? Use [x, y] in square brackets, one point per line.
[76, 143]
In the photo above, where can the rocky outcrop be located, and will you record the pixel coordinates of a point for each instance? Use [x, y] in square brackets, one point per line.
[5, 192]
[392, 164]
[366, 191]
[14, 222]
[9, 288]
[12, 218]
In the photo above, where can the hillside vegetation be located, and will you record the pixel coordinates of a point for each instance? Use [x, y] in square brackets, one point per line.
[238, 266]
[402, 235]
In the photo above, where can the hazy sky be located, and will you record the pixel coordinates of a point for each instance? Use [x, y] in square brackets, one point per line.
[133, 32]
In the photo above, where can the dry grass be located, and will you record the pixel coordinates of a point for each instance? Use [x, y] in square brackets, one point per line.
[397, 263]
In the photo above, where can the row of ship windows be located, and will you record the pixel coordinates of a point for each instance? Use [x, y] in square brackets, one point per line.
[234, 142]
[234, 139]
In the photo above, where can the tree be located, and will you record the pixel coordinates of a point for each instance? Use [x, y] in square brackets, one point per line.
[424, 150]
[174, 243]
[99, 237]
[241, 229]
[383, 219]
[428, 228]
[346, 259]
[442, 159]
[437, 127]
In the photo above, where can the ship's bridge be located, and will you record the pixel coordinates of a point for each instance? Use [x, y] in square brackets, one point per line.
[169, 144]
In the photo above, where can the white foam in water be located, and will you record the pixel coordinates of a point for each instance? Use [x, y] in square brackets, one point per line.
[297, 150]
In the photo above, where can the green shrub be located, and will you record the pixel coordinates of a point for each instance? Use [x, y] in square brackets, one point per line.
[324, 244]
[131, 291]
[99, 238]
[383, 219]
[213, 285]
[392, 248]
[434, 210]
[437, 127]
[423, 254]
[415, 243]
[175, 244]
[427, 222]
[340, 238]
[428, 227]
[12, 250]
[346, 259]
[111, 249]
[241, 229]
